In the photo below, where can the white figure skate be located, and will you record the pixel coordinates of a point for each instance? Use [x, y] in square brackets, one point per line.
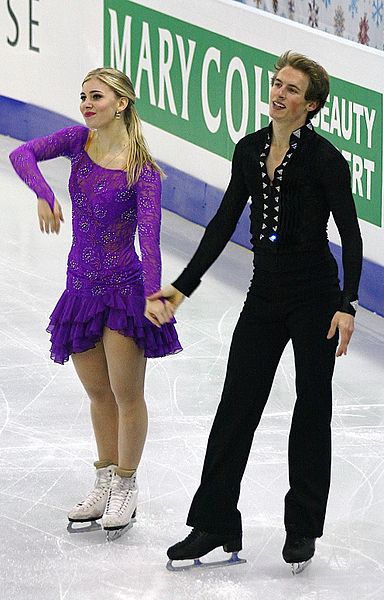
[120, 510]
[92, 507]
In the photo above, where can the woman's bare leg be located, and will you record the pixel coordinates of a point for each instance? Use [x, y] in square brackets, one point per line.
[126, 369]
[91, 367]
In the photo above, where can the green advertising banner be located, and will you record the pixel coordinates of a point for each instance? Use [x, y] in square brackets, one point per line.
[211, 91]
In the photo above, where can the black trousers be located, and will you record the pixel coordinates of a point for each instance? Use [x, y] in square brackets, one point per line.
[291, 297]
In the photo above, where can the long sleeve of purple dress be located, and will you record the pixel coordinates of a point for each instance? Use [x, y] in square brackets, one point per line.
[25, 158]
[148, 190]
[106, 280]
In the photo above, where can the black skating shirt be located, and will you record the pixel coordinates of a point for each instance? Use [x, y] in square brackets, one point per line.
[290, 214]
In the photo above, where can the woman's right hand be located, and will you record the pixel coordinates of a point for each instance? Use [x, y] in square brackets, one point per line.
[162, 312]
[49, 220]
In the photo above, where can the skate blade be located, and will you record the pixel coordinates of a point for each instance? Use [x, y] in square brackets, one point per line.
[300, 567]
[114, 534]
[83, 526]
[197, 564]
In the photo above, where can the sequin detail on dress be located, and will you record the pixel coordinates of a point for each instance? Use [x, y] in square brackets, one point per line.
[106, 281]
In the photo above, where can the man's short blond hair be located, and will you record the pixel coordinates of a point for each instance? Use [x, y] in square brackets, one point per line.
[318, 87]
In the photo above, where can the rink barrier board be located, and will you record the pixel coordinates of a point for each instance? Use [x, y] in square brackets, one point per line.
[183, 194]
[210, 90]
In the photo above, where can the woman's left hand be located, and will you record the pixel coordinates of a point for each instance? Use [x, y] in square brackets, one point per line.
[158, 311]
[345, 323]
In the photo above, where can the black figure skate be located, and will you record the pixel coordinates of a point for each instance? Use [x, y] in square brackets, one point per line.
[298, 551]
[197, 544]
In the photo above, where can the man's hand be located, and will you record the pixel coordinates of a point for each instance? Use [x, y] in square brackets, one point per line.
[162, 305]
[345, 323]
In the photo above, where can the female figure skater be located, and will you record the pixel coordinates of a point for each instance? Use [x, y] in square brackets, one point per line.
[295, 179]
[115, 188]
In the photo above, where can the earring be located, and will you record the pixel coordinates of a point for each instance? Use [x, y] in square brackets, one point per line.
[117, 115]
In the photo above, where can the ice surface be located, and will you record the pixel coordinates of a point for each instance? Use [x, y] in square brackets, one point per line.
[47, 448]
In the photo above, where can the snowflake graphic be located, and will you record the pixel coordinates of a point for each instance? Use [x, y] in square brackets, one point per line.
[353, 7]
[327, 3]
[339, 21]
[291, 9]
[377, 11]
[363, 36]
[313, 17]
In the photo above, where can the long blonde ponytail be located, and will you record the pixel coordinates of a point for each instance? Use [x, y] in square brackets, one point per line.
[138, 151]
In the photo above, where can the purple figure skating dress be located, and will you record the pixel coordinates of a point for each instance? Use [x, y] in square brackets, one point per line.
[106, 281]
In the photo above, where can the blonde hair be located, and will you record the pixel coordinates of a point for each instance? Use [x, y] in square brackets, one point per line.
[318, 86]
[138, 151]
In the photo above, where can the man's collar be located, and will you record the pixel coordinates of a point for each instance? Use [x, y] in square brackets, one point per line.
[296, 135]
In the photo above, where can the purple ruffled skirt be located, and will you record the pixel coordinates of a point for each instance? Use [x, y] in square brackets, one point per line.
[78, 321]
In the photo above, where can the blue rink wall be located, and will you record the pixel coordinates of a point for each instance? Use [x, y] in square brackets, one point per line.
[183, 194]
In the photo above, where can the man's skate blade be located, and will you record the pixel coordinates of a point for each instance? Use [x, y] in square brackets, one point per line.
[115, 534]
[197, 564]
[83, 526]
[300, 567]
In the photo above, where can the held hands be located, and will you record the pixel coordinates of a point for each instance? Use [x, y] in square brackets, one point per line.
[345, 323]
[49, 220]
[162, 305]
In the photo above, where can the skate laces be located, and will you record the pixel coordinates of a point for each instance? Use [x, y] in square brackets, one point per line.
[103, 477]
[102, 484]
[120, 493]
[194, 535]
